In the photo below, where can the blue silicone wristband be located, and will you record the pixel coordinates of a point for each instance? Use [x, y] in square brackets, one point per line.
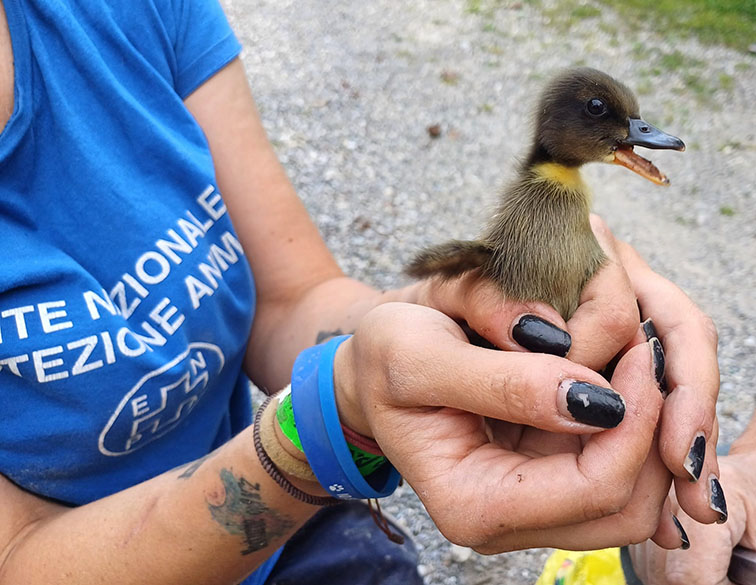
[317, 419]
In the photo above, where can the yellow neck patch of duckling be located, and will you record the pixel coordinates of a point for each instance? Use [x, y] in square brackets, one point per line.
[566, 176]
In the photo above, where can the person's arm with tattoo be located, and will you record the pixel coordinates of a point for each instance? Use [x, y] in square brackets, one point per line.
[216, 519]
[211, 521]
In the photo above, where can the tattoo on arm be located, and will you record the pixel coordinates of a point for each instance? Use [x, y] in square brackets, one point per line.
[193, 466]
[243, 512]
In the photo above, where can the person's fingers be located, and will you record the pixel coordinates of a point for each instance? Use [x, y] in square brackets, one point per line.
[644, 332]
[497, 491]
[642, 517]
[607, 317]
[534, 442]
[692, 372]
[613, 530]
[671, 535]
[515, 326]
[707, 560]
[705, 499]
[441, 370]
[704, 562]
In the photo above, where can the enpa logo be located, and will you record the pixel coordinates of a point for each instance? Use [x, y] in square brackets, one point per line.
[160, 400]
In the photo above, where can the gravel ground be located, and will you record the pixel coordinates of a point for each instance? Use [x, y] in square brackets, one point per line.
[348, 90]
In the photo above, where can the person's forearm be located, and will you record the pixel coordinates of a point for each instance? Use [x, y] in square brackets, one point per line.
[211, 522]
[333, 307]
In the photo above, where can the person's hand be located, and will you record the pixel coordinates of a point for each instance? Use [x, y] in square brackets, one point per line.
[539, 472]
[606, 324]
[688, 430]
[707, 560]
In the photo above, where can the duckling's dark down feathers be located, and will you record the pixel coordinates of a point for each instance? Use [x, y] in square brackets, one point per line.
[539, 245]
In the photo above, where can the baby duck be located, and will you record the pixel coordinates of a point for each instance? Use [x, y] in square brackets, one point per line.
[539, 245]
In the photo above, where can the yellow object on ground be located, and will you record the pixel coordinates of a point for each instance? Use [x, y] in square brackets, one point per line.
[598, 567]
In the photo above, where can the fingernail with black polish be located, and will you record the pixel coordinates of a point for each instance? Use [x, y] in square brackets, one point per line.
[685, 542]
[695, 459]
[594, 405]
[664, 387]
[657, 351]
[648, 329]
[717, 500]
[540, 336]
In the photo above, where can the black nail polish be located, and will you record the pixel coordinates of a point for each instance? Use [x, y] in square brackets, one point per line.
[685, 541]
[695, 459]
[664, 387]
[540, 336]
[658, 354]
[594, 405]
[648, 329]
[717, 501]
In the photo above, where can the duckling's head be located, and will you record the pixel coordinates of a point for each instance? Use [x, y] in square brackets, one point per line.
[585, 116]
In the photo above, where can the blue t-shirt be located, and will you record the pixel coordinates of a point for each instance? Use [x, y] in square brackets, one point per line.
[125, 298]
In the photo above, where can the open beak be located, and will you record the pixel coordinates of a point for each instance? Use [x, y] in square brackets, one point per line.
[641, 133]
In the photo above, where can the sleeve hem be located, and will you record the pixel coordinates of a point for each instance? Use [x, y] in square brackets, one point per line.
[206, 65]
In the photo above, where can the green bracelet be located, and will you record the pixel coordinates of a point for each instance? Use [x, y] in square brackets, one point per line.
[285, 418]
[367, 463]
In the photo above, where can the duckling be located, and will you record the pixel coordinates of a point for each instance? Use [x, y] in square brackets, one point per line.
[539, 245]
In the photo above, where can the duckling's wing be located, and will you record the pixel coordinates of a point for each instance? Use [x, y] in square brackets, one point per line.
[449, 259]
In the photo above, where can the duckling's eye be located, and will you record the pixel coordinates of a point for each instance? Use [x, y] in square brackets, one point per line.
[595, 107]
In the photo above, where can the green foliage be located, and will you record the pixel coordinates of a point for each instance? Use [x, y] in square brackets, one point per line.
[675, 61]
[473, 6]
[728, 22]
[566, 13]
[700, 79]
[726, 81]
[585, 11]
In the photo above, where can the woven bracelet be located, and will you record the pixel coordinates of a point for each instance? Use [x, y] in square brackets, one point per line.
[273, 471]
[283, 460]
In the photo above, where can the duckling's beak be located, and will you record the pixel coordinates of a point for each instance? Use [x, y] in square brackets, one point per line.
[641, 133]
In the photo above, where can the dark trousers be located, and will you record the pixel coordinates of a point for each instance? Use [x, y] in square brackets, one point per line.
[341, 545]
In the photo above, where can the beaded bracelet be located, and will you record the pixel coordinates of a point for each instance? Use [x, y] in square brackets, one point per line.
[317, 422]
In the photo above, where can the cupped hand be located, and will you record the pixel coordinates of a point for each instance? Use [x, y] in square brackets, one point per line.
[508, 450]
[688, 430]
[606, 324]
[707, 560]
